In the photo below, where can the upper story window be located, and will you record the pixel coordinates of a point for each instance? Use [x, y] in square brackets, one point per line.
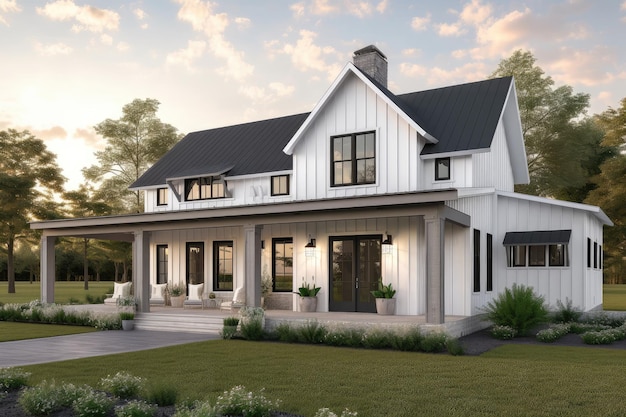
[354, 159]
[204, 188]
[162, 197]
[280, 185]
[442, 169]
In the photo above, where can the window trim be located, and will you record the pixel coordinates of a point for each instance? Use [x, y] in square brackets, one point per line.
[438, 176]
[280, 240]
[273, 191]
[489, 262]
[162, 200]
[476, 284]
[160, 264]
[353, 159]
[216, 264]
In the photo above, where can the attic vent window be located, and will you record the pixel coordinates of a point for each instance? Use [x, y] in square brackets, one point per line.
[442, 169]
[204, 188]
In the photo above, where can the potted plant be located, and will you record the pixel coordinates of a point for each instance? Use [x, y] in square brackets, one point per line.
[385, 303]
[230, 327]
[308, 296]
[177, 294]
[128, 320]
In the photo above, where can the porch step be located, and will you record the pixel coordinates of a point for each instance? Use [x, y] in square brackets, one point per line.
[191, 323]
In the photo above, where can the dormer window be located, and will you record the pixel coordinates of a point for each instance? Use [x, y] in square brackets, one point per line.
[280, 185]
[442, 169]
[162, 197]
[354, 159]
[204, 188]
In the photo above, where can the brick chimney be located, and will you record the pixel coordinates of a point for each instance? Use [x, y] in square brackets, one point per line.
[372, 62]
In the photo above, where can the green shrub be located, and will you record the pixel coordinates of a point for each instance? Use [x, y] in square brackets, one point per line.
[135, 408]
[239, 402]
[518, 307]
[325, 412]
[603, 319]
[92, 404]
[503, 332]
[231, 321]
[409, 340]
[553, 333]
[162, 395]
[344, 336]
[252, 329]
[286, 333]
[377, 338]
[312, 332]
[48, 397]
[196, 409]
[566, 313]
[434, 342]
[580, 328]
[602, 337]
[454, 347]
[13, 378]
[122, 384]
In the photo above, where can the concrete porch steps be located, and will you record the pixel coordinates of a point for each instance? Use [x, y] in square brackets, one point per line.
[192, 323]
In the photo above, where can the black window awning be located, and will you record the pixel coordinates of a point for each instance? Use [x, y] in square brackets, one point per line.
[538, 237]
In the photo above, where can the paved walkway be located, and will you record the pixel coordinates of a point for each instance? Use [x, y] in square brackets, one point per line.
[60, 348]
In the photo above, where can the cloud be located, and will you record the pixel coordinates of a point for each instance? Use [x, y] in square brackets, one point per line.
[420, 23]
[382, 6]
[411, 52]
[436, 76]
[358, 8]
[298, 9]
[260, 95]
[213, 25]
[106, 39]
[186, 57]
[450, 29]
[87, 18]
[8, 6]
[122, 46]
[53, 49]
[141, 15]
[55, 132]
[306, 56]
[90, 137]
[586, 67]
[242, 22]
[475, 13]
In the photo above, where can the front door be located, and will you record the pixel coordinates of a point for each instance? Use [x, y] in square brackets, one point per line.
[355, 270]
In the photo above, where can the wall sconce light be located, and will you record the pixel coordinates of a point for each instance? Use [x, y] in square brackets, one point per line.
[387, 244]
[309, 248]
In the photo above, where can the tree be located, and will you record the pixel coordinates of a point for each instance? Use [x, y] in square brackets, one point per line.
[29, 177]
[134, 142]
[610, 193]
[560, 155]
[82, 204]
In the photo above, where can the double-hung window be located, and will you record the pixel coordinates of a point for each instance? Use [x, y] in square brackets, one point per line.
[162, 197]
[280, 185]
[204, 188]
[223, 265]
[353, 159]
[282, 265]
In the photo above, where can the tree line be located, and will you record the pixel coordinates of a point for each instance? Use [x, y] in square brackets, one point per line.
[571, 156]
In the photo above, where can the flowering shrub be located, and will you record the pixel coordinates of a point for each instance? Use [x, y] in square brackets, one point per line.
[135, 408]
[48, 397]
[13, 378]
[92, 404]
[602, 337]
[325, 412]
[197, 409]
[553, 333]
[122, 384]
[503, 332]
[37, 312]
[239, 402]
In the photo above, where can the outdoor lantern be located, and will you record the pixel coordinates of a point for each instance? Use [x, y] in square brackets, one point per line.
[309, 248]
[387, 244]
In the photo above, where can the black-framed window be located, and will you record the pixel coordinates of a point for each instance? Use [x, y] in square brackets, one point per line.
[282, 264]
[442, 169]
[558, 255]
[204, 188]
[223, 265]
[162, 197]
[162, 259]
[476, 260]
[489, 262]
[595, 255]
[588, 253]
[195, 263]
[280, 185]
[354, 159]
[537, 255]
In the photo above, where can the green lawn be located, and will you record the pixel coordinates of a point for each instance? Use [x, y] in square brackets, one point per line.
[514, 380]
[615, 297]
[63, 291]
[20, 331]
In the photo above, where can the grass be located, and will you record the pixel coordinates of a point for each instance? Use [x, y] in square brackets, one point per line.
[19, 331]
[64, 291]
[513, 380]
[614, 297]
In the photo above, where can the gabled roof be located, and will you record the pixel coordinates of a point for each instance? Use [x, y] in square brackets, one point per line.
[247, 148]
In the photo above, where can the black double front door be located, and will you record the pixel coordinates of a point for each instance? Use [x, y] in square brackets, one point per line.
[355, 269]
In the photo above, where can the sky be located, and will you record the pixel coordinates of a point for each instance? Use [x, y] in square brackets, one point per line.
[67, 65]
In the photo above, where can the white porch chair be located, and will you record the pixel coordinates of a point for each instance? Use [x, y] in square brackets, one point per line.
[238, 301]
[195, 297]
[120, 290]
[157, 294]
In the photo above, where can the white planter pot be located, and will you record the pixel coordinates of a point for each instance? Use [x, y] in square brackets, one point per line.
[128, 324]
[177, 301]
[386, 306]
[308, 304]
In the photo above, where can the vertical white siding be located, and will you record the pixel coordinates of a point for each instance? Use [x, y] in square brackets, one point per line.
[493, 168]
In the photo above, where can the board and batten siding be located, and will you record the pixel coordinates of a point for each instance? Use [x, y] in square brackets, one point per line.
[354, 108]
[493, 168]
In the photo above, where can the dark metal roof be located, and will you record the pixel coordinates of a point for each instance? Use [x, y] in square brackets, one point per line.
[248, 148]
[461, 117]
[543, 237]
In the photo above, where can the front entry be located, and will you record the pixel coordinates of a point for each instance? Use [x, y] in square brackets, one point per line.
[355, 268]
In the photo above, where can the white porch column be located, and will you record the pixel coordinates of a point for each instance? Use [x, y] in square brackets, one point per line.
[435, 246]
[253, 264]
[47, 268]
[141, 270]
